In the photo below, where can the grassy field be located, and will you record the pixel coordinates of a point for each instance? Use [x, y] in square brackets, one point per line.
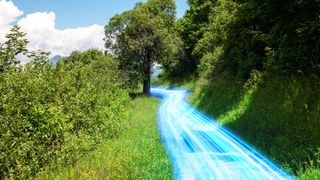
[137, 154]
[279, 116]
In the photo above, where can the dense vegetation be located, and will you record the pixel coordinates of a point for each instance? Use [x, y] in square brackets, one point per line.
[240, 36]
[50, 115]
[255, 63]
[257, 70]
[138, 153]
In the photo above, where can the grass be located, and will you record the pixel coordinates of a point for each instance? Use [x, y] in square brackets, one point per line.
[310, 174]
[218, 98]
[279, 116]
[137, 154]
[185, 83]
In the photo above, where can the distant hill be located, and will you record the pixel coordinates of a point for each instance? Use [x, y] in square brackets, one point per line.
[55, 59]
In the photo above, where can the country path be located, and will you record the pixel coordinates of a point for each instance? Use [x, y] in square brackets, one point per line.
[200, 148]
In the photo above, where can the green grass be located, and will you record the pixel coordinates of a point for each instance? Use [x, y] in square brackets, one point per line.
[218, 98]
[185, 83]
[137, 154]
[310, 174]
[279, 116]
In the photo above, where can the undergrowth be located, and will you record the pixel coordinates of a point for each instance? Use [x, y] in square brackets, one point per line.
[137, 154]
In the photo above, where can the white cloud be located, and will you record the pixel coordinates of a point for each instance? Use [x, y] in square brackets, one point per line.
[42, 33]
[8, 14]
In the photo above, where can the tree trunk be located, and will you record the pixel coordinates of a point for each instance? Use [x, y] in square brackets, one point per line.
[147, 80]
[146, 87]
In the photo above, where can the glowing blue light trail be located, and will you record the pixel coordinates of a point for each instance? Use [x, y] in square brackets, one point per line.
[201, 148]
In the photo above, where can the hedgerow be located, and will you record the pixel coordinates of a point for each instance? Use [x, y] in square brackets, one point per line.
[51, 114]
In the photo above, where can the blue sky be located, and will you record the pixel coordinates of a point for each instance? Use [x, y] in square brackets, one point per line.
[63, 26]
[81, 13]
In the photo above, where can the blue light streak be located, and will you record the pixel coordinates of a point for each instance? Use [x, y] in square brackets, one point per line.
[201, 148]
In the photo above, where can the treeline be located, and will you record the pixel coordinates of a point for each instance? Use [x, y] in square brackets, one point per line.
[51, 114]
[240, 36]
[257, 66]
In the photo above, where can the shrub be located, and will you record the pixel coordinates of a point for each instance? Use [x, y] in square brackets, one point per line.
[52, 114]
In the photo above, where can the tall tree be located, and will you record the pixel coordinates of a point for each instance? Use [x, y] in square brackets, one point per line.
[141, 37]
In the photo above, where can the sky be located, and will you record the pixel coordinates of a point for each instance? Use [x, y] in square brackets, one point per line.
[62, 26]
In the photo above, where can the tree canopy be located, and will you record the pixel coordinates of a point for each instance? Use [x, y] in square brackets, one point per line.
[140, 37]
[16, 44]
[238, 37]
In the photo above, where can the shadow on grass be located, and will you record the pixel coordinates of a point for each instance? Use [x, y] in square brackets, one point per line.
[218, 97]
[186, 82]
[280, 117]
[135, 95]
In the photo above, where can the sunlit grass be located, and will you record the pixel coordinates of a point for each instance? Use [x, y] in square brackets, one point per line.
[185, 83]
[278, 117]
[137, 154]
[310, 174]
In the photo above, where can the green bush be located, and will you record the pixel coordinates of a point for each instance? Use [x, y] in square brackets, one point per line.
[52, 114]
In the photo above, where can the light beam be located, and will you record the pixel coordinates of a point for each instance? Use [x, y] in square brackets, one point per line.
[201, 148]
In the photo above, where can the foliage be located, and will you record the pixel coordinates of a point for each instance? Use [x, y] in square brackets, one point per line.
[290, 30]
[277, 107]
[253, 35]
[141, 37]
[16, 45]
[277, 115]
[50, 115]
[310, 174]
[278, 111]
[240, 36]
[191, 29]
[137, 153]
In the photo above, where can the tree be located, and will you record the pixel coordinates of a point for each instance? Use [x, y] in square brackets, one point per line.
[240, 37]
[141, 37]
[16, 44]
[191, 28]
